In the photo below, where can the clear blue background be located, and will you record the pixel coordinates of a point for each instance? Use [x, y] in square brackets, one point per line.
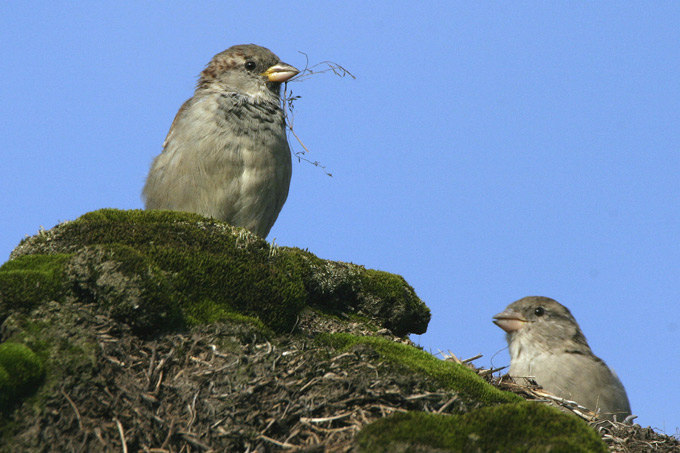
[486, 151]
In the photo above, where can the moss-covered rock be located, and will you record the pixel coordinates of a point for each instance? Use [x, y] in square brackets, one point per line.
[519, 427]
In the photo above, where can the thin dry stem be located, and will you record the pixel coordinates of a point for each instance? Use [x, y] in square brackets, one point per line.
[289, 101]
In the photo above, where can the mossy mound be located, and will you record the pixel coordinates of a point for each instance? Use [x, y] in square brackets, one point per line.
[521, 427]
[167, 331]
[160, 269]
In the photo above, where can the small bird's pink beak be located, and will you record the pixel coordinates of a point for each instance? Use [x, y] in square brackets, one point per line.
[509, 320]
[280, 72]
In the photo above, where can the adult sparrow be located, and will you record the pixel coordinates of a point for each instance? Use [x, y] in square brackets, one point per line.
[226, 155]
[546, 344]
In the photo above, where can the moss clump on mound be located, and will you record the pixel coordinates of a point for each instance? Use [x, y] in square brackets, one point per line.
[385, 298]
[519, 427]
[450, 375]
[28, 280]
[21, 372]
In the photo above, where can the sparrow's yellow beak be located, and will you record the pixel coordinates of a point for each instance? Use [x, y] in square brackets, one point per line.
[509, 320]
[280, 72]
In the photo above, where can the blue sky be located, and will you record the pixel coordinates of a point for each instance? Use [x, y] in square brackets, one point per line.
[486, 151]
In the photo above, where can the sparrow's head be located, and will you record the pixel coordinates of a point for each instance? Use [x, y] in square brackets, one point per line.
[247, 69]
[544, 321]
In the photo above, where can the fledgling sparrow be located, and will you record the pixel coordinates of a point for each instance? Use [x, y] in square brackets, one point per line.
[226, 155]
[546, 344]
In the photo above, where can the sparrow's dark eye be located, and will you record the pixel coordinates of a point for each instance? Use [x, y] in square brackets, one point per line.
[250, 65]
[540, 311]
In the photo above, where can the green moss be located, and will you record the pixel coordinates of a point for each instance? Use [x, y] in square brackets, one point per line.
[450, 375]
[207, 311]
[138, 262]
[393, 291]
[61, 335]
[21, 372]
[144, 264]
[28, 280]
[253, 284]
[520, 427]
[138, 216]
[6, 390]
[235, 272]
[126, 282]
[145, 230]
[348, 288]
[48, 264]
